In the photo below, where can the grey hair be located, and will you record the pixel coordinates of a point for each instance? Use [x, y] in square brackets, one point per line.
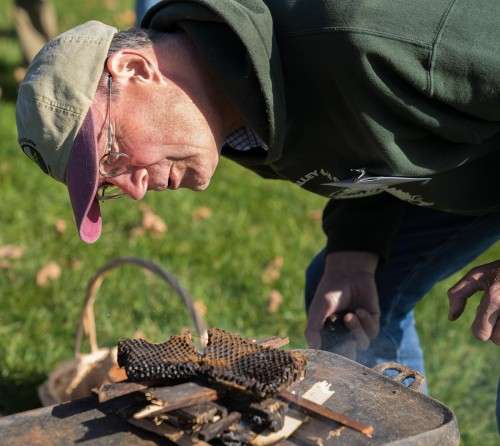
[133, 38]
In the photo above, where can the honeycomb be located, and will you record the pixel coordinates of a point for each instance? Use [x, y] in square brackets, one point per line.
[176, 358]
[228, 359]
[263, 371]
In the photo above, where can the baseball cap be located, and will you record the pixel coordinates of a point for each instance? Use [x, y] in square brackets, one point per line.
[54, 118]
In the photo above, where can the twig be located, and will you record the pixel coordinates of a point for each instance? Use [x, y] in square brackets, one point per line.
[273, 342]
[316, 409]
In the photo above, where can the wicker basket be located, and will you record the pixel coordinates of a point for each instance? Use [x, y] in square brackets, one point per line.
[77, 377]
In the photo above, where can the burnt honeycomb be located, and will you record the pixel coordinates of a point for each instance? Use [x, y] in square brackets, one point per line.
[227, 359]
[176, 358]
[232, 360]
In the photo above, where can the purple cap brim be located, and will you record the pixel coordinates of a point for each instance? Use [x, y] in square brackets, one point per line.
[82, 177]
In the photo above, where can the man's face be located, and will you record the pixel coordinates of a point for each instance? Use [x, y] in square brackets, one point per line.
[166, 135]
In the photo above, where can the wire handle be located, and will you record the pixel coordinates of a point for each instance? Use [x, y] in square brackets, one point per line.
[86, 326]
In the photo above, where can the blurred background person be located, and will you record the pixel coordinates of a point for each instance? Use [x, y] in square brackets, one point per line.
[36, 23]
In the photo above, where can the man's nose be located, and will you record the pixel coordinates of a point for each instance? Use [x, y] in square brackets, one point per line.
[133, 183]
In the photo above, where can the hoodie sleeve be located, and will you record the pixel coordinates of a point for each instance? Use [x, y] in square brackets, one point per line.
[363, 224]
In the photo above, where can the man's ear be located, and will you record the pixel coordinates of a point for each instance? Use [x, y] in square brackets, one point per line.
[130, 65]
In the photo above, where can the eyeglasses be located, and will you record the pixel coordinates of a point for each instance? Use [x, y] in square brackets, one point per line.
[108, 164]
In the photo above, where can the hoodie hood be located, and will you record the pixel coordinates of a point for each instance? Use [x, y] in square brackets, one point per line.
[237, 41]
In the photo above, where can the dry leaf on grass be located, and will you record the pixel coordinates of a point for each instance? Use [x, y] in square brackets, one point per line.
[5, 265]
[273, 270]
[200, 307]
[315, 215]
[274, 301]
[137, 232]
[151, 222]
[11, 252]
[48, 273]
[75, 264]
[5, 167]
[126, 18]
[60, 226]
[202, 213]
[110, 4]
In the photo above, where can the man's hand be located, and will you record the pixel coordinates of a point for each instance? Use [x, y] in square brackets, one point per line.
[486, 325]
[348, 284]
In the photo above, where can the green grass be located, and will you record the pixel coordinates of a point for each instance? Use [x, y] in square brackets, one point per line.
[220, 261]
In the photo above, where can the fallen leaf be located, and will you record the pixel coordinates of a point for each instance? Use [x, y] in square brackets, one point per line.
[110, 4]
[5, 265]
[60, 226]
[151, 222]
[5, 167]
[272, 272]
[126, 18]
[316, 215]
[11, 252]
[75, 264]
[137, 232]
[202, 213]
[200, 307]
[48, 273]
[274, 301]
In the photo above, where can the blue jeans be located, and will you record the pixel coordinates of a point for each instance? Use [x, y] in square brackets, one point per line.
[430, 246]
[141, 6]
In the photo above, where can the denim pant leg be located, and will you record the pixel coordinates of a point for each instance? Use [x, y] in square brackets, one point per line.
[430, 246]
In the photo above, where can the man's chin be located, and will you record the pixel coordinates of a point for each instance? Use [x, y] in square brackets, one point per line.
[196, 183]
[200, 187]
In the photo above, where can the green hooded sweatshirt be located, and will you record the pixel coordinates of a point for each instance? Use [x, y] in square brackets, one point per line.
[373, 103]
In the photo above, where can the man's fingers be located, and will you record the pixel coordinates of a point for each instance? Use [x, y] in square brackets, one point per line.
[495, 335]
[314, 326]
[321, 308]
[353, 323]
[369, 322]
[313, 339]
[487, 315]
[460, 292]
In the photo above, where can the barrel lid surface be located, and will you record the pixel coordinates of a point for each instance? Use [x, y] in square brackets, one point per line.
[399, 415]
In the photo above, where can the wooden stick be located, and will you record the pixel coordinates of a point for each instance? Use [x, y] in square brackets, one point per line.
[319, 392]
[175, 397]
[212, 430]
[109, 391]
[176, 436]
[274, 342]
[316, 409]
